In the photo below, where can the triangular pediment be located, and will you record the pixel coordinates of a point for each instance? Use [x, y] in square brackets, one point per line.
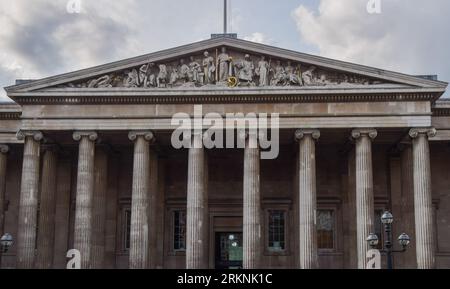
[225, 63]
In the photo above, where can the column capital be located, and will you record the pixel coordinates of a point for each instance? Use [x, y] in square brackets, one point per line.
[148, 135]
[370, 132]
[78, 135]
[301, 133]
[4, 149]
[429, 132]
[36, 135]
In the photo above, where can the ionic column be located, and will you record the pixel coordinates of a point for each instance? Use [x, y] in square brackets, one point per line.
[46, 233]
[364, 191]
[83, 236]
[4, 149]
[139, 238]
[307, 198]
[197, 206]
[99, 212]
[423, 205]
[28, 204]
[252, 203]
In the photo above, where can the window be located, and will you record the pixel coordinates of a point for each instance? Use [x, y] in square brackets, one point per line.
[325, 229]
[179, 231]
[127, 229]
[277, 220]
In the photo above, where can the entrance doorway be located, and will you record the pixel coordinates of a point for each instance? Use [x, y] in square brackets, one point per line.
[228, 251]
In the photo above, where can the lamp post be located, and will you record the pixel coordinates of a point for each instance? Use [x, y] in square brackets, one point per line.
[387, 219]
[5, 243]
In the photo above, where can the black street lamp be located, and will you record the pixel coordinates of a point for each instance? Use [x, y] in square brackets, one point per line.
[6, 243]
[387, 219]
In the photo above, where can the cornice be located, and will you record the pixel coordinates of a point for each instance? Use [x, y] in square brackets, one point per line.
[10, 115]
[441, 108]
[222, 96]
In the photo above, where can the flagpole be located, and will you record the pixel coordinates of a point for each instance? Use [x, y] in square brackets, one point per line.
[225, 16]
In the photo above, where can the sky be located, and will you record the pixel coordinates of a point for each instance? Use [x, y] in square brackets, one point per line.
[40, 38]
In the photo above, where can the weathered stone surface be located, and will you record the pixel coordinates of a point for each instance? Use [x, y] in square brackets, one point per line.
[139, 238]
[307, 198]
[364, 191]
[99, 208]
[252, 204]
[4, 149]
[46, 232]
[423, 206]
[26, 238]
[197, 206]
[83, 236]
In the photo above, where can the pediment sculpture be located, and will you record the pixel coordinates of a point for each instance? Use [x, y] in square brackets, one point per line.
[224, 69]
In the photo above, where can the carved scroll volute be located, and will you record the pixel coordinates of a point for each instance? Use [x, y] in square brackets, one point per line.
[357, 133]
[415, 132]
[300, 133]
[148, 136]
[36, 135]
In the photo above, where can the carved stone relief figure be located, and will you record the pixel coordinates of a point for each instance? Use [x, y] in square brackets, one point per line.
[293, 75]
[308, 76]
[194, 70]
[245, 70]
[224, 65]
[102, 82]
[183, 71]
[132, 79]
[173, 77]
[143, 77]
[209, 68]
[279, 77]
[161, 80]
[262, 71]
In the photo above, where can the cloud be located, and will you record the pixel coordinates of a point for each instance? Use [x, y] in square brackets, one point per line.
[42, 38]
[408, 35]
[258, 37]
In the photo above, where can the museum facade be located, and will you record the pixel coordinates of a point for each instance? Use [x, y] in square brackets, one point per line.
[87, 162]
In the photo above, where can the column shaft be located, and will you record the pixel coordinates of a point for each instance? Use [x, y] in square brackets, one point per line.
[99, 212]
[28, 204]
[46, 233]
[139, 239]
[3, 163]
[423, 204]
[252, 204]
[197, 207]
[307, 199]
[154, 209]
[364, 191]
[83, 236]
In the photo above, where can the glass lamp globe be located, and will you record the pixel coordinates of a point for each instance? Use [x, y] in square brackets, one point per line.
[404, 240]
[387, 218]
[372, 240]
[6, 242]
